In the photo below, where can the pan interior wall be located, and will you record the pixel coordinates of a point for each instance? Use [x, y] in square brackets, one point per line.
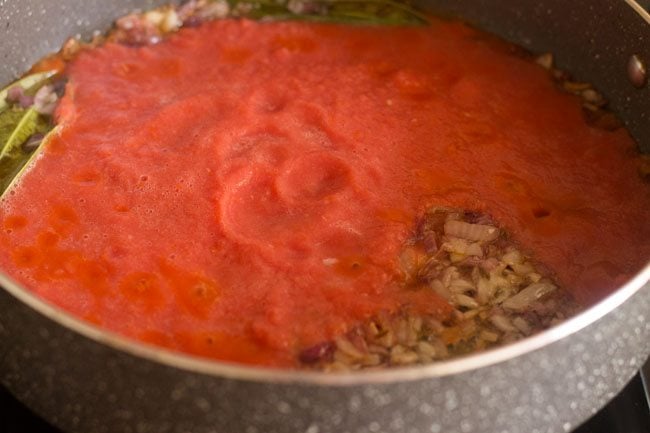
[593, 39]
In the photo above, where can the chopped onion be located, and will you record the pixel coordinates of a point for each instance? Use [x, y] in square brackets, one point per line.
[449, 274]
[465, 301]
[473, 232]
[319, 352]
[485, 290]
[455, 245]
[534, 277]
[474, 250]
[492, 337]
[17, 95]
[440, 289]
[545, 61]
[45, 100]
[345, 346]
[502, 323]
[522, 269]
[171, 22]
[154, 17]
[216, 9]
[460, 285]
[527, 296]
[456, 257]
[410, 260]
[14, 94]
[26, 101]
[489, 264]
[512, 257]
[522, 325]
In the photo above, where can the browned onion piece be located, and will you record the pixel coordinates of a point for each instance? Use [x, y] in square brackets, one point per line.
[317, 353]
[527, 296]
[473, 232]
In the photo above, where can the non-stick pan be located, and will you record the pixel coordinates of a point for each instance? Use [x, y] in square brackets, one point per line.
[87, 380]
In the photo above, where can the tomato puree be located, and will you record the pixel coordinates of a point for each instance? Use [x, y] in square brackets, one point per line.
[242, 190]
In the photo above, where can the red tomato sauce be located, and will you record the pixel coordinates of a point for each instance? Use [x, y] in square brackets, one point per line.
[241, 190]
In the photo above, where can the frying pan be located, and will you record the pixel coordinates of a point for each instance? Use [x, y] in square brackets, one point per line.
[87, 380]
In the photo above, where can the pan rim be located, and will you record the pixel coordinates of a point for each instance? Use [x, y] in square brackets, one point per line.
[634, 4]
[221, 369]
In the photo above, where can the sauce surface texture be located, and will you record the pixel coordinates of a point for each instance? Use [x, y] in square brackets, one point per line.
[242, 190]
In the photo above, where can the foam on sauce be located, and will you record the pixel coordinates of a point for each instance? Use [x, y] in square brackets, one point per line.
[242, 190]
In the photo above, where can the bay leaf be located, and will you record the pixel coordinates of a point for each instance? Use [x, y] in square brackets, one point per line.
[360, 12]
[30, 123]
[11, 169]
[17, 125]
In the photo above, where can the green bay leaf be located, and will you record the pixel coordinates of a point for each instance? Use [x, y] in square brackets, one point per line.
[360, 12]
[12, 169]
[8, 121]
[25, 128]
[17, 125]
